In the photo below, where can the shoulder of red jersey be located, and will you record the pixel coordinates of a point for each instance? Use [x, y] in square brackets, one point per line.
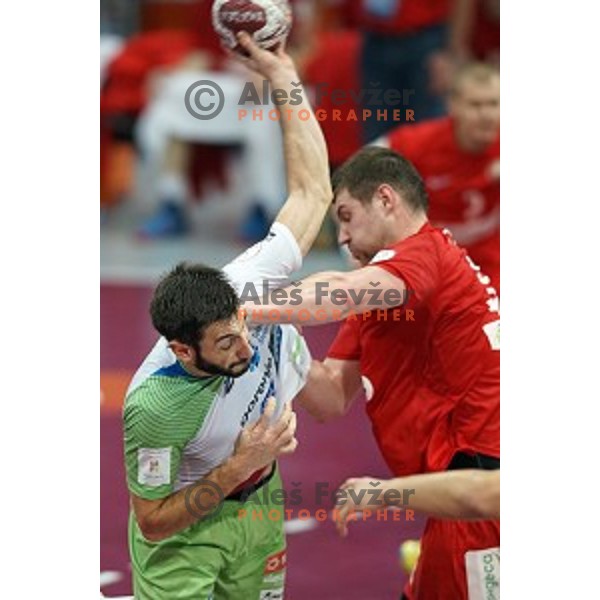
[415, 260]
[412, 140]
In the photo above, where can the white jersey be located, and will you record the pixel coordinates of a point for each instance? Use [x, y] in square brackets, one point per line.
[178, 428]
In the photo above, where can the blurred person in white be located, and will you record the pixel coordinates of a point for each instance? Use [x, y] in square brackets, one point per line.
[176, 155]
[251, 142]
[166, 130]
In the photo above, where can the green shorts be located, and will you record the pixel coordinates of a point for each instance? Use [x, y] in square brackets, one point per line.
[238, 554]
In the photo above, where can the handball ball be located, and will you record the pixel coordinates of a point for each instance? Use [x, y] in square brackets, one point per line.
[267, 21]
[409, 555]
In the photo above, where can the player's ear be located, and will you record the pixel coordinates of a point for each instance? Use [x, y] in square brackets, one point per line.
[387, 197]
[182, 351]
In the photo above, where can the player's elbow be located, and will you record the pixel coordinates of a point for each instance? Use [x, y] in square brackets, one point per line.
[315, 192]
[324, 413]
[151, 528]
[329, 415]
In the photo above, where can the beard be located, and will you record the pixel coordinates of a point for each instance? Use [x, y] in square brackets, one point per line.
[233, 370]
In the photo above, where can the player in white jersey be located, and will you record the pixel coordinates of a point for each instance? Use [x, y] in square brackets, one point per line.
[200, 431]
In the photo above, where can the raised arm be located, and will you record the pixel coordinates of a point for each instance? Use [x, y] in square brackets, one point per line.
[308, 179]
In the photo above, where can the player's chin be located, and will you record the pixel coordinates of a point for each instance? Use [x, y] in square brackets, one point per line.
[238, 369]
[360, 257]
[364, 258]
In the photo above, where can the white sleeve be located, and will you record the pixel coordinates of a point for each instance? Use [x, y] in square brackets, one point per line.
[271, 260]
[294, 364]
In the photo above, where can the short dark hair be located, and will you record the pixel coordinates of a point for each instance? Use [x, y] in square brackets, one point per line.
[188, 299]
[366, 170]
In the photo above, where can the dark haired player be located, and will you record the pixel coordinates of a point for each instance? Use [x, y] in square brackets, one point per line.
[421, 337]
[207, 414]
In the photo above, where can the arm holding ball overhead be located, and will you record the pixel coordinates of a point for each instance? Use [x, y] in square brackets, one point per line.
[308, 179]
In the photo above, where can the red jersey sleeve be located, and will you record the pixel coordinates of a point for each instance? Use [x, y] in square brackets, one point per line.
[346, 345]
[415, 140]
[408, 140]
[415, 261]
[400, 138]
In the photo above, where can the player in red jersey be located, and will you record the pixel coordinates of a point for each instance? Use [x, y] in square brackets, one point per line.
[421, 335]
[459, 158]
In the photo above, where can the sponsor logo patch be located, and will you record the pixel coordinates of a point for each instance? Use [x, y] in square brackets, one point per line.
[154, 466]
[483, 574]
[276, 562]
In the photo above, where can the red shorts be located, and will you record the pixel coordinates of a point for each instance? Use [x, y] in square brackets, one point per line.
[446, 547]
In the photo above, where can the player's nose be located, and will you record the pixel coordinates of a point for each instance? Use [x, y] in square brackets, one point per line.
[343, 237]
[245, 349]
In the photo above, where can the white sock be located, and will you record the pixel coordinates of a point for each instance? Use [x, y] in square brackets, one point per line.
[172, 187]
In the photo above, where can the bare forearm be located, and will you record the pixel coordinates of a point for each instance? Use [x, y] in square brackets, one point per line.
[309, 303]
[331, 296]
[307, 166]
[468, 494]
[309, 187]
[304, 143]
[322, 397]
[198, 500]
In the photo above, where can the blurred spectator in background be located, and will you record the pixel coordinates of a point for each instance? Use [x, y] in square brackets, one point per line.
[166, 132]
[124, 95]
[333, 66]
[459, 159]
[330, 67]
[400, 37]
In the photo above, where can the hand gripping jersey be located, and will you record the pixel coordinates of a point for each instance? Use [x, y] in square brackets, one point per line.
[178, 427]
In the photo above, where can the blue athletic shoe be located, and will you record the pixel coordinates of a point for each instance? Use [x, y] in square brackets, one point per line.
[168, 221]
[256, 225]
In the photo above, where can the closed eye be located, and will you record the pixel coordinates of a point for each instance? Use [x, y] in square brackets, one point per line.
[226, 342]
